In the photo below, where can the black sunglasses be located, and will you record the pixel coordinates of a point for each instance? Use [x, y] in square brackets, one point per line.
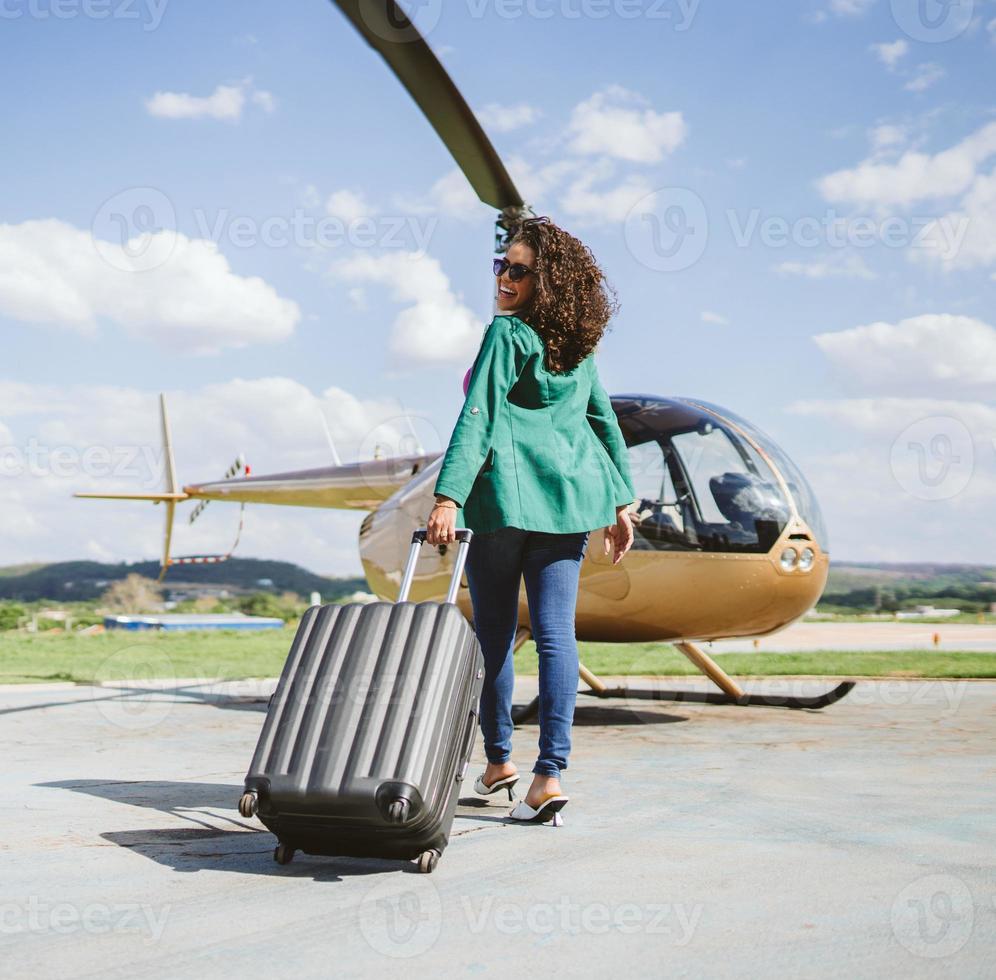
[516, 270]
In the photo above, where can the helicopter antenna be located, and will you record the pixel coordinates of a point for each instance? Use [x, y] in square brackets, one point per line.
[328, 436]
[411, 428]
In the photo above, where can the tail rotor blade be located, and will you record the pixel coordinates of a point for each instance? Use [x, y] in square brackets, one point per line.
[170, 462]
[167, 538]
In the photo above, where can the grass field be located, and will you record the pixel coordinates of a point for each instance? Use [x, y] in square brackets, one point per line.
[26, 658]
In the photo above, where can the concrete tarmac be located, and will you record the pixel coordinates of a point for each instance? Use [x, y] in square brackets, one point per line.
[799, 636]
[700, 840]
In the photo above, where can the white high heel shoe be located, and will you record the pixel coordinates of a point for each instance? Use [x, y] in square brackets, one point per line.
[548, 810]
[507, 783]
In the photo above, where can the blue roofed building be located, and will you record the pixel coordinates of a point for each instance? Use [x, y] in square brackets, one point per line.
[192, 621]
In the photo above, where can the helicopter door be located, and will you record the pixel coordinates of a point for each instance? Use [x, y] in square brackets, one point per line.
[662, 512]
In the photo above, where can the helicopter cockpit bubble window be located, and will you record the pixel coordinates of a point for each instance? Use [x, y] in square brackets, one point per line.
[802, 493]
[738, 505]
[699, 485]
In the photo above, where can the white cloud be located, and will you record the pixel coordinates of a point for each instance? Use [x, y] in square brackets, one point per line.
[918, 471]
[976, 216]
[842, 265]
[99, 437]
[891, 495]
[890, 53]
[619, 123]
[887, 136]
[450, 195]
[540, 182]
[708, 316]
[348, 206]
[964, 237]
[237, 414]
[578, 169]
[850, 8]
[53, 273]
[226, 102]
[889, 416]
[435, 327]
[453, 195]
[932, 351]
[928, 452]
[914, 176]
[265, 100]
[591, 204]
[499, 118]
[924, 76]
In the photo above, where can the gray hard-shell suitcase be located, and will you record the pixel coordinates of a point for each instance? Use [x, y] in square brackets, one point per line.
[369, 732]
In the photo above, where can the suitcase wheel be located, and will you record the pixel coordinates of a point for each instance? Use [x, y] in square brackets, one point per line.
[283, 853]
[427, 861]
[249, 803]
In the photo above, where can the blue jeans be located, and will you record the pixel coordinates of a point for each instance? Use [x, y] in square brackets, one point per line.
[551, 566]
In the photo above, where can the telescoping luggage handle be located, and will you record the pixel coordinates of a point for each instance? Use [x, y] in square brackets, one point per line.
[463, 536]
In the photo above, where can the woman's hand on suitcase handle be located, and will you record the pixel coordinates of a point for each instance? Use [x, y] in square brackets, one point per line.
[620, 534]
[441, 526]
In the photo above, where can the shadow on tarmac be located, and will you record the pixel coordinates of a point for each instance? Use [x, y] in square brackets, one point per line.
[193, 693]
[243, 849]
[584, 714]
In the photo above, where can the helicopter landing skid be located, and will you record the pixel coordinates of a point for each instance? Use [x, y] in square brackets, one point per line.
[730, 692]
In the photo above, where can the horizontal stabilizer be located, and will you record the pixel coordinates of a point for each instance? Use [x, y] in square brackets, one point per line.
[156, 498]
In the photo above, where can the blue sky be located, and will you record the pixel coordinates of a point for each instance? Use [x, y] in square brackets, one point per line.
[830, 166]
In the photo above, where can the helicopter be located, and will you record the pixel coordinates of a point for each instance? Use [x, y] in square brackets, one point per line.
[729, 540]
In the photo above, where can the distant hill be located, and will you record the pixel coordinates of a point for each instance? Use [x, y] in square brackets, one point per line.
[8, 570]
[890, 585]
[845, 575]
[81, 580]
[850, 582]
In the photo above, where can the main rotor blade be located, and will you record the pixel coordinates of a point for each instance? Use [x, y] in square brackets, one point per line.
[389, 32]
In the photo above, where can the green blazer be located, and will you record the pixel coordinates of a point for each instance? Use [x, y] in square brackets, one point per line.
[533, 449]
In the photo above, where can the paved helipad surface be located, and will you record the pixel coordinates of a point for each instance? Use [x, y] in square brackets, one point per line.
[978, 637]
[699, 841]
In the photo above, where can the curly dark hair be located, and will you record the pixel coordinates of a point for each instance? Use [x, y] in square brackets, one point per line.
[572, 302]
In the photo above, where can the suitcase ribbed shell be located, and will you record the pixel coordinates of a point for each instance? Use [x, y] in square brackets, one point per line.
[376, 701]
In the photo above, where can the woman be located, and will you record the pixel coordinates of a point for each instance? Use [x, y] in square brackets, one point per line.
[535, 462]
